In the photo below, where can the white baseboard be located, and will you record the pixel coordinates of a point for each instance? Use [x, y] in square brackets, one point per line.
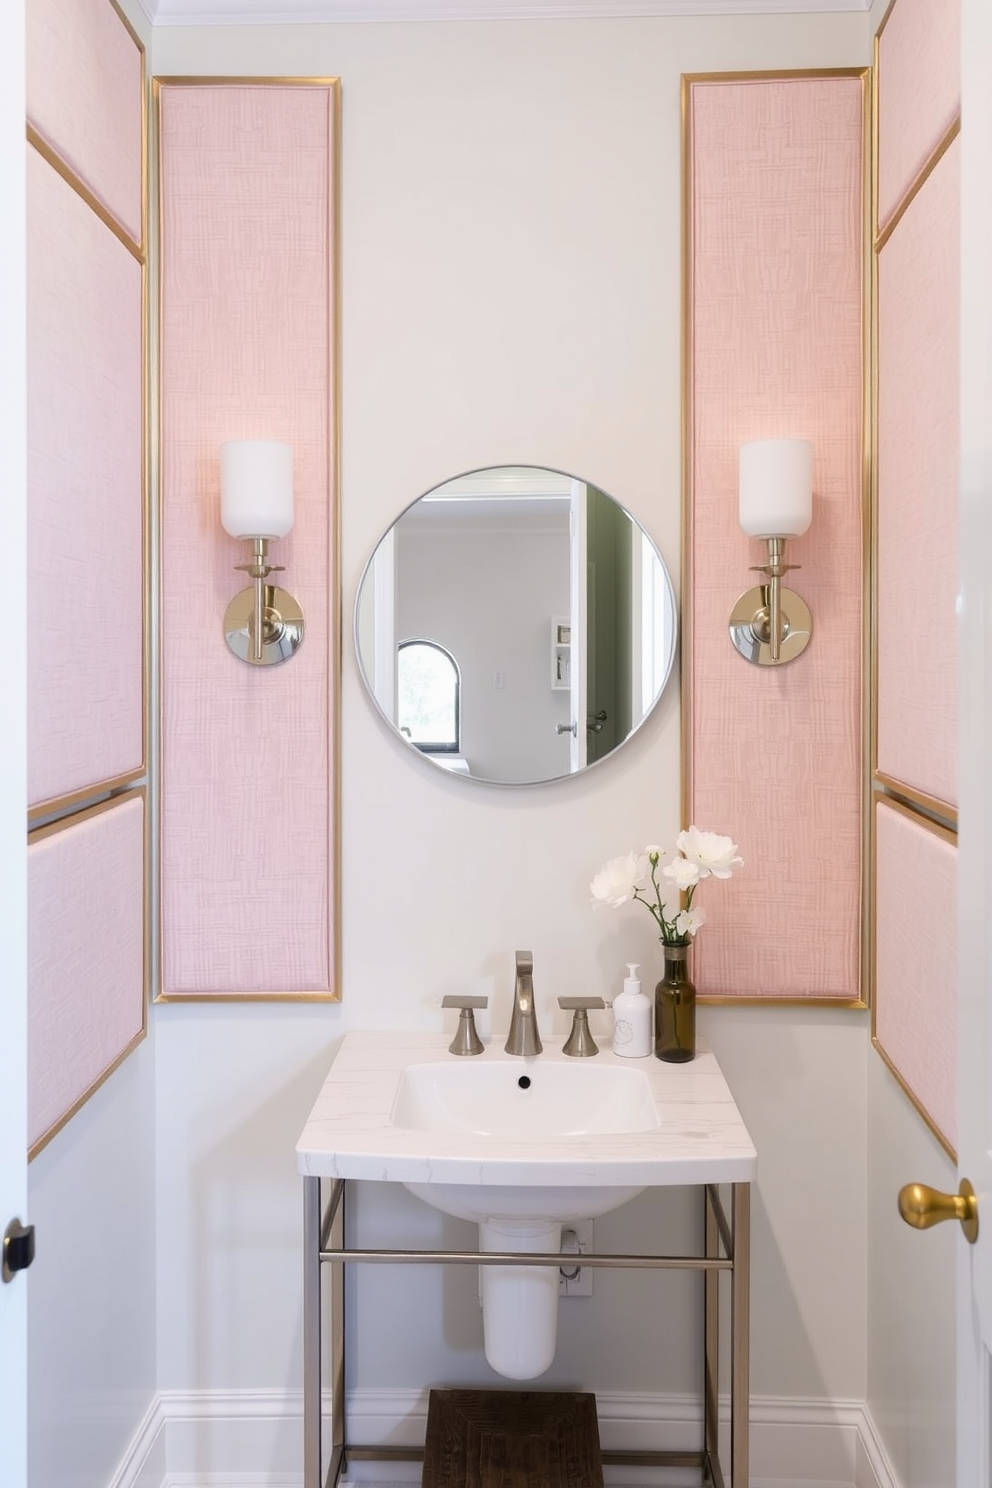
[254, 1439]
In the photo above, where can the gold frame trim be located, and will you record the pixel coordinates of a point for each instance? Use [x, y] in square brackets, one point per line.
[882, 235]
[128, 27]
[52, 829]
[76, 182]
[79, 186]
[688, 81]
[71, 801]
[333, 86]
[884, 21]
[946, 834]
[927, 811]
[926, 807]
[867, 524]
[928, 165]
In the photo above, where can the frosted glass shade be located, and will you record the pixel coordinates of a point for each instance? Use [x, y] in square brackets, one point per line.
[256, 487]
[775, 490]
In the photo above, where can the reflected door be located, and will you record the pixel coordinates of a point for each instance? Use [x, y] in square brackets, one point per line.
[578, 589]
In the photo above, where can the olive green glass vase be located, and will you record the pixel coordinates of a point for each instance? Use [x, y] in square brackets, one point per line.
[675, 1007]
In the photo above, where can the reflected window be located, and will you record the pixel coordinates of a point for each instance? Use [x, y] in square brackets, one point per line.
[428, 697]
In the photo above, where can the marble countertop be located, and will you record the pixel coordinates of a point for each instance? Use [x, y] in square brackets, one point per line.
[700, 1137]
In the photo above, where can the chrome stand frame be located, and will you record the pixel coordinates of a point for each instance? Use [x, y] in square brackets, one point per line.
[726, 1247]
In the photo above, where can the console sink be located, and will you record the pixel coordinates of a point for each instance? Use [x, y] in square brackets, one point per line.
[397, 1107]
[521, 1147]
[546, 1099]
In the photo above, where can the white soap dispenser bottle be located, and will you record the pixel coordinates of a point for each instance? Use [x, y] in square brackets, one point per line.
[631, 1018]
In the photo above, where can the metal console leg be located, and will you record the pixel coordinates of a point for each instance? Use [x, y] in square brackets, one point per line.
[740, 1337]
[711, 1335]
[311, 1333]
[336, 1238]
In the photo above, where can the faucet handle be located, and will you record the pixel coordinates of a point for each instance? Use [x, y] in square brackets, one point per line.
[466, 1039]
[580, 1043]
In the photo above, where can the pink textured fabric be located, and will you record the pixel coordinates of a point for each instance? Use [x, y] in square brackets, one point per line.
[776, 350]
[918, 414]
[86, 940]
[247, 832]
[85, 75]
[919, 92]
[85, 498]
[916, 961]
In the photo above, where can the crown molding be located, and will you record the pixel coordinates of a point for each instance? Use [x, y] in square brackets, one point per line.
[324, 12]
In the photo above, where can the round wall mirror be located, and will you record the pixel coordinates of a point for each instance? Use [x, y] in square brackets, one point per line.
[515, 625]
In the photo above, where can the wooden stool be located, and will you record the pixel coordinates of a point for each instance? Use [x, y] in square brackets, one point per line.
[512, 1439]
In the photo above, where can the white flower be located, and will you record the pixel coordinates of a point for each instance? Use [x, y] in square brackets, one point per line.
[712, 854]
[683, 872]
[642, 877]
[617, 883]
[688, 921]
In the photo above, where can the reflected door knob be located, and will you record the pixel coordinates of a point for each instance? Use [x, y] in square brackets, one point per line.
[924, 1207]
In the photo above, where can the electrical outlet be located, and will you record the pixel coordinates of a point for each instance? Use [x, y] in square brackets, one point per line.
[576, 1239]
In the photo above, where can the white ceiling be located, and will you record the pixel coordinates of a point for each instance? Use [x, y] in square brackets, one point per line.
[297, 12]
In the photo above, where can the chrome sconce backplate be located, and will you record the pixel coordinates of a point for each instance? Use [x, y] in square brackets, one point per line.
[282, 626]
[751, 629]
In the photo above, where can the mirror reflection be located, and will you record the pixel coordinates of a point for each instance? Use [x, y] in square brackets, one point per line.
[515, 625]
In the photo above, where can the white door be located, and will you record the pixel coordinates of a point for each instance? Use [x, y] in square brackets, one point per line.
[578, 619]
[13, 995]
[974, 1308]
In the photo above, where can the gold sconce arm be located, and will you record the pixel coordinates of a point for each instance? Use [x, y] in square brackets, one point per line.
[263, 625]
[770, 624]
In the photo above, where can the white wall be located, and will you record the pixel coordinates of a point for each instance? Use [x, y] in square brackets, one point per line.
[511, 188]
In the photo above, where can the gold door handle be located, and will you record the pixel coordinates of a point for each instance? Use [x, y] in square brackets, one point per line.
[923, 1207]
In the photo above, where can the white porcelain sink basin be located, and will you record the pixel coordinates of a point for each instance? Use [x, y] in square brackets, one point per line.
[385, 1113]
[536, 1102]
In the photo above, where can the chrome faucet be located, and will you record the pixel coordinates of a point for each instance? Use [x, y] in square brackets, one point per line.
[523, 1037]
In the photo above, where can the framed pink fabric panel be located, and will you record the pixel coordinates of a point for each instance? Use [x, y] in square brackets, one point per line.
[917, 490]
[85, 496]
[919, 92]
[85, 98]
[776, 246]
[249, 831]
[915, 1005]
[86, 956]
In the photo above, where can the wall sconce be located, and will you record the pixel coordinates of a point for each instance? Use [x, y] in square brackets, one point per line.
[770, 624]
[263, 625]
